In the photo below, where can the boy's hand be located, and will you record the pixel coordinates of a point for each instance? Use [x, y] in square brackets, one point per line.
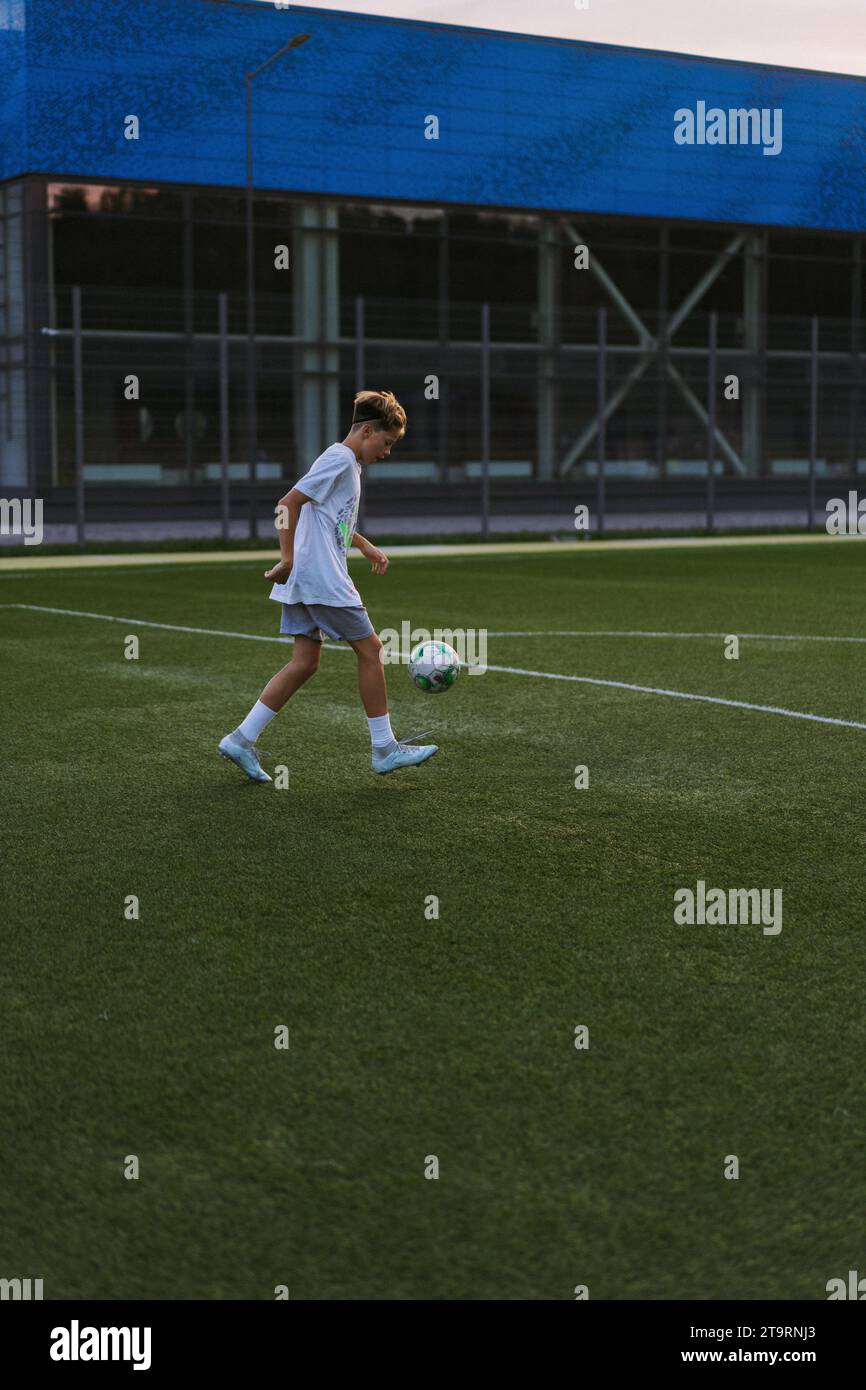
[378, 559]
[280, 572]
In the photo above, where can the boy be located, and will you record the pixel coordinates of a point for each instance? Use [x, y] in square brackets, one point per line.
[311, 581]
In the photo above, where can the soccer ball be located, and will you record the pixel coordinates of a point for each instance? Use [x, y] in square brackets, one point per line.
[433, 666]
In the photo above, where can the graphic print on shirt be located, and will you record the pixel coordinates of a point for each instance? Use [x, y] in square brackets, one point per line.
[345, 527]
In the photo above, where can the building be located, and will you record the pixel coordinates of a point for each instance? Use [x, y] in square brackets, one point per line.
[406, 175]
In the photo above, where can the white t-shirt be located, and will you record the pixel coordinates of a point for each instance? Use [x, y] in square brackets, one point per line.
[324, 533]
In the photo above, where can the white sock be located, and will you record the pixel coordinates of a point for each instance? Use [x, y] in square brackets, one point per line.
[258, 717]
[381, 733]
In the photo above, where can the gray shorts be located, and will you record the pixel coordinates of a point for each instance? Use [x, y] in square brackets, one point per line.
[343, 624]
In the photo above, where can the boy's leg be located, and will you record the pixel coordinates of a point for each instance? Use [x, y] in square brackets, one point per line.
[374, 693]
[238, 745]
[371, 676]
[388, 754]
[282, 686]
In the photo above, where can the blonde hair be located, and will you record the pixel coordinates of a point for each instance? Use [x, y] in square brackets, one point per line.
[380, 408]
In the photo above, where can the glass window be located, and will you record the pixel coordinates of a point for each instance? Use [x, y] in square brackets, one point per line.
[629, 254]
[810, 275]
[400, 219]
[115, 236]
[115, 200]
[493, 257]
[391, 256]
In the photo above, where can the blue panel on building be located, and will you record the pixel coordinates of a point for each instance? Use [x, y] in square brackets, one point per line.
[13, 70]
[534, 123]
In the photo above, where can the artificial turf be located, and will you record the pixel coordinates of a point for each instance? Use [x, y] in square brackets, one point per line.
[412, 1036]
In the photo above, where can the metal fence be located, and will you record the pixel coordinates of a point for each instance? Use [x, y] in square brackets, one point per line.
[140, 392]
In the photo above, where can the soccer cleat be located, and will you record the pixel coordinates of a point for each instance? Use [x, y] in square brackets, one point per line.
[403, 755]
[244, 754]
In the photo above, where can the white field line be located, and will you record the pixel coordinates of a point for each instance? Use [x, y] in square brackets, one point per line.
[681, 695]
[747, 636]
[141, 622]
[504, 670]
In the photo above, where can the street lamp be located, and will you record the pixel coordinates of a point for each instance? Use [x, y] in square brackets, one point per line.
[252, 416]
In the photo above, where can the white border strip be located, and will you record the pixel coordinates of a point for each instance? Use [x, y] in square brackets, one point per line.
[504, 670]
[569, 545]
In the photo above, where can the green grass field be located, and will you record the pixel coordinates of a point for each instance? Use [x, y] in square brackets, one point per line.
[453, 1037]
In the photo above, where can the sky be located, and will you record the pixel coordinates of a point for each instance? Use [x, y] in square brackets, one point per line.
[829, 35]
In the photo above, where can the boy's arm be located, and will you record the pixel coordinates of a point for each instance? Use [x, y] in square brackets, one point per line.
[288, 510]
[378, 559]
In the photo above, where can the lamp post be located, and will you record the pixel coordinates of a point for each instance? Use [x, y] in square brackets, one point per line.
[252, 412]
